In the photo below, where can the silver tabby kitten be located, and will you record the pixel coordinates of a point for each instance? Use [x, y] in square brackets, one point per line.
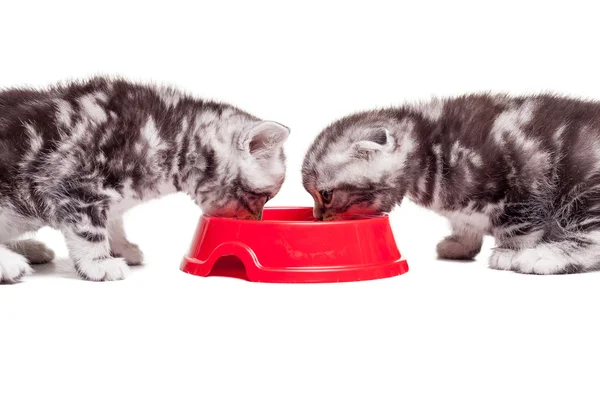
[525, 170]
[75, 157]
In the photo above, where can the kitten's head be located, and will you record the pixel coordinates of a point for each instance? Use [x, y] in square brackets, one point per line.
[354, 167]
[246, 170]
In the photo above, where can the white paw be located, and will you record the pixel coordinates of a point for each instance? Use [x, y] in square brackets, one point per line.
[452, 248]
[35, 252]
[502, 259]
[529, 261]
[537, 261]
[13, 266]
[108, 269]
[130, 252]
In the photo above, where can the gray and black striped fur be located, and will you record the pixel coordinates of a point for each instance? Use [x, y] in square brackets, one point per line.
[525, 170]
[76, 156]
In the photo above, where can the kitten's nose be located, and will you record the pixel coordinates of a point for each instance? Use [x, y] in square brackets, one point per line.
[318, 213]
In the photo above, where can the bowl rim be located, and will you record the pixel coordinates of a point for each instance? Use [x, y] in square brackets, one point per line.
[349, 222]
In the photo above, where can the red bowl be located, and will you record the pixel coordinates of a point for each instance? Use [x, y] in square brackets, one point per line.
[290, 246]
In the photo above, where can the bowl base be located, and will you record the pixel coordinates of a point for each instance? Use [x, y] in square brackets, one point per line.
[233, 267]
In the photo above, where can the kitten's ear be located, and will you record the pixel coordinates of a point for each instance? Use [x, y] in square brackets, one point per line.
[264, 139]
[374, 140]
[379, 135]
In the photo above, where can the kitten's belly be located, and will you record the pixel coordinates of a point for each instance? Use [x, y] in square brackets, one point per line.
[13, 225]
[472, 220]
[118, 208]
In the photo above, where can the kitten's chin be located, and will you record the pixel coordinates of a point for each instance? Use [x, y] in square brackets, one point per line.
[234, 214]
[362, 213]
[353, 215]
[250, 218]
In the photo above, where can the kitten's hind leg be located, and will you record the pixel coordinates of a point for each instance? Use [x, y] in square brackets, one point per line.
[34, 251]
[13, 266]
[120, 246]
[579, 253]
[87, 240]
[463, 244]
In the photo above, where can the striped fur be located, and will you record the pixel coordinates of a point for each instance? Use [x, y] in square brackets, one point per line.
[76, 156]
[525, 170]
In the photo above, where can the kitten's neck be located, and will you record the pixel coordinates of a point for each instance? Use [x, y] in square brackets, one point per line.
[201, 132]
[420, 133]
[441, 172]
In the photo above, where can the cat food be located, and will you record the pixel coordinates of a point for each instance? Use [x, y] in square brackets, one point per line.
[288, 246]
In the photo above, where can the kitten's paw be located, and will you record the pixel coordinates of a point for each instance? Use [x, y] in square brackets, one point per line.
[531, 261]
[453, 248]
[130, 252]
[13, 266]
[502, 259]
[107, 269]
[35, 252]
[538, 261]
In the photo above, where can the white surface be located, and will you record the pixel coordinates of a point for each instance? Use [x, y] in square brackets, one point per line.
[444, 330]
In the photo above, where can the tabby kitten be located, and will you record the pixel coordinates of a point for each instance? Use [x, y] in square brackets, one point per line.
[76, 156]
[525, 170]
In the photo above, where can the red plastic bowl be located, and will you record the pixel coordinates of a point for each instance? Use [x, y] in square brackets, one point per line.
[290, 246]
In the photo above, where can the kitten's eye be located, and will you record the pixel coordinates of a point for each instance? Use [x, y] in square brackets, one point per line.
[327, 196]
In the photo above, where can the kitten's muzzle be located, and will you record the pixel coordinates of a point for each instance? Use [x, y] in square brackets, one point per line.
[253, 217]
[323, 215]
[318, 212]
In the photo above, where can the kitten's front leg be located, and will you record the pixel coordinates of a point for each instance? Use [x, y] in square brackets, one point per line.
[90, 250]
[463, 244]
[120, 246]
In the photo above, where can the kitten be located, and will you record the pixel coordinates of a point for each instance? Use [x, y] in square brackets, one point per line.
[76, 156]
[525, 170]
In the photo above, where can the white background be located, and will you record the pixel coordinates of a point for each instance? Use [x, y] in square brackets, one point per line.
[444, 330]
